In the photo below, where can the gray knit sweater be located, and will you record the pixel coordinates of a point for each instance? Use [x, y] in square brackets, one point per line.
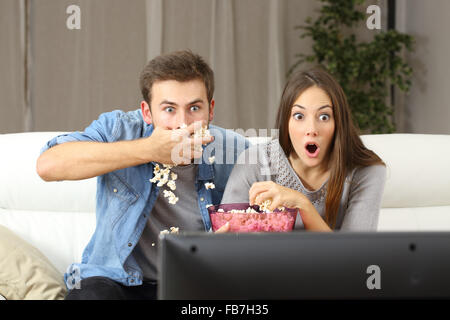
[361, 197]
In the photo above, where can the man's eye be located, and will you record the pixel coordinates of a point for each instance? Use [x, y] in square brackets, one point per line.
[195, 108]
[324, 117]
[168, 109]
[298, 116]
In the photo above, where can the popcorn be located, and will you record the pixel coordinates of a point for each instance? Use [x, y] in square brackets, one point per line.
[171, 184]
[265, 205]
[208, 205]
[203, 132]
[161, 176]
[165, 231]
[172, 198]
[172, 230]
[209, 185]
[211, 159]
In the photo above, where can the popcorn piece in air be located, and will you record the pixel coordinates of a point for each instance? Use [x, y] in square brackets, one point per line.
[172, 198]
[172, 230]
[171, 184]
[212, 159]
[161, 175]
[209, 185]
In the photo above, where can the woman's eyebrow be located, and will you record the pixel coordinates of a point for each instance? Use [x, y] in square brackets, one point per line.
[322, 107]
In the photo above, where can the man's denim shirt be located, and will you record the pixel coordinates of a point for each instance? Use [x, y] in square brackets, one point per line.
[125, 197]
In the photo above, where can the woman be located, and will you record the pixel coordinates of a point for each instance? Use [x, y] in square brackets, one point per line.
[318, 165]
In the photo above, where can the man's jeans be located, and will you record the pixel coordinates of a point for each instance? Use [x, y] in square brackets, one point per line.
[102, 288]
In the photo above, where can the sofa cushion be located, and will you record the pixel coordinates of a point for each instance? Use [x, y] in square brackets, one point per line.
[25, 273]
[23, 189]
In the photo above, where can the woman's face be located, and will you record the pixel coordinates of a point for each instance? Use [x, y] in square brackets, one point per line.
[311, 127]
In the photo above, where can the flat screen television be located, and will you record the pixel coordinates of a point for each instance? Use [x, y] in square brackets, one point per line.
[305, 265]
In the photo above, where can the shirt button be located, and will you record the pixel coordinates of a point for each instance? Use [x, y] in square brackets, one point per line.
[115, 190]
[132, 280]
[202, 199]
[129, 244]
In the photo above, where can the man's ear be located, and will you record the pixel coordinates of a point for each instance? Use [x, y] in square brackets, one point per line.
[146, 113]
[211, 110]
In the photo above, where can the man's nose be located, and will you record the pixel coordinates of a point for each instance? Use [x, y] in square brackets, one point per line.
[181, 119]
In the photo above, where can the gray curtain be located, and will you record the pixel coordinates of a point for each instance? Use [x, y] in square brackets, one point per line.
[250, 45]
[12, 67]
[53, 78]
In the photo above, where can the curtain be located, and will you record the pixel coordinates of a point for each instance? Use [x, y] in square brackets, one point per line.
[250, 45]
[54, 78]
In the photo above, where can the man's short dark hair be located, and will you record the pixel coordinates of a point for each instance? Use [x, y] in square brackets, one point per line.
[180, 66]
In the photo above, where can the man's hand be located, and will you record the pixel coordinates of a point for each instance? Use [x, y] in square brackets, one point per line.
[223, 229]
[176, 146]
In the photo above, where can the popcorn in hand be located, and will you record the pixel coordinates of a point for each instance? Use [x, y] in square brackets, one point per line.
[161, 176]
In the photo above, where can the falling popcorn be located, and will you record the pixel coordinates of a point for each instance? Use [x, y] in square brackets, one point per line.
[171, 184]
[172, 230]
[172, 198]
[161, 176]
[209, 185]
[211, 159]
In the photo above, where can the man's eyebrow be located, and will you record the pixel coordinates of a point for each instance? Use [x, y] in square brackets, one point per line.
[167, 102]
[322, 107]
[174, 104]
[196, 101]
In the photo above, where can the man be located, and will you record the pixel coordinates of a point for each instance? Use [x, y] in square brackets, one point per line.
[124, 150]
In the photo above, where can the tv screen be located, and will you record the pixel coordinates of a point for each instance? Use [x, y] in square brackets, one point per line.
[304, 265]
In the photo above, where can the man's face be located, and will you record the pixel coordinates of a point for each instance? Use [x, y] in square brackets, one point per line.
[174, 103]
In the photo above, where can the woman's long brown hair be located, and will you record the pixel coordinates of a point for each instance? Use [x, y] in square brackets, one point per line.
[347, 151]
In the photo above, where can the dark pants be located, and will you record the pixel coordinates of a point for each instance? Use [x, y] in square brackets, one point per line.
[101, 288]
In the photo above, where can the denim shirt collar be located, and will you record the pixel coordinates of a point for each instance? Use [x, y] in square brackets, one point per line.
[205, 170]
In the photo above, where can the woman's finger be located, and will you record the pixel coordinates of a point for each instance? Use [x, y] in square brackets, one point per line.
[257, 188]
[264, 196]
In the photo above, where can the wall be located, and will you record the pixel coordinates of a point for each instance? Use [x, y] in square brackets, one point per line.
[426, 108]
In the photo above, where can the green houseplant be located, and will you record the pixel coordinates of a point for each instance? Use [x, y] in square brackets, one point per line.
[365, 70]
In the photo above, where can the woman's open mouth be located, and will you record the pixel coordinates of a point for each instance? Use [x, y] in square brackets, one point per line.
[312, 149]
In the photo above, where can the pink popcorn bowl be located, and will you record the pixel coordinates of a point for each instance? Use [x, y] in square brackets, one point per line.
[277, 221]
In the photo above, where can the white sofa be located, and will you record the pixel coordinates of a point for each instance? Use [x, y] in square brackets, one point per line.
[58, 218]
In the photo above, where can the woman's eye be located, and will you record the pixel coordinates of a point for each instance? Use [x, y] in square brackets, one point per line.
[298, 116]
[324, 117]
[195, 108]
[168, 109]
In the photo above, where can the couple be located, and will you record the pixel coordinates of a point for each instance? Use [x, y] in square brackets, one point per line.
[322, 166]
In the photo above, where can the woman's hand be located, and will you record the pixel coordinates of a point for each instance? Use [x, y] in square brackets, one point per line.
[285, 197]
[279, 195]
